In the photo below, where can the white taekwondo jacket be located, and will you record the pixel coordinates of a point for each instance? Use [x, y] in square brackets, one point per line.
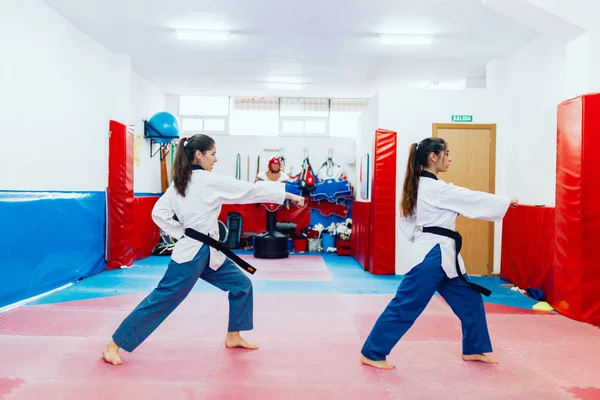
[438, 204]
[200, 209]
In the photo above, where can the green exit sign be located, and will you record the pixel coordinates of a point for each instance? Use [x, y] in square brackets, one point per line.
[462, 118]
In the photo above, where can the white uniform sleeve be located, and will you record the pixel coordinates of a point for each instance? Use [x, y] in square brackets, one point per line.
[473, 204]
[262, 176]
[162, 215]
[283, 177]
[234, 191]
[408, 226]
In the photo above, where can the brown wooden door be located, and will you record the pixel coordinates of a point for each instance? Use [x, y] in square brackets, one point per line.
[473, 152]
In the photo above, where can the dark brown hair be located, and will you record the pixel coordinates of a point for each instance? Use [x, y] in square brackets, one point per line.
[418, 156]
[184, 156]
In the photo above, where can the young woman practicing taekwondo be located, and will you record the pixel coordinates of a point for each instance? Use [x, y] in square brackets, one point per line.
[429, 208]
[189, 211]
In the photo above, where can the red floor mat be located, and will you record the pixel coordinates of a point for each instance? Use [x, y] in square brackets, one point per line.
[566, 364]
[428, 326]
[585, 393]
[7, 385]
[309, 347]
[155, 360]
[97, 389]
[541, 328]
[33, 357]
[40, 321]
[226, 391]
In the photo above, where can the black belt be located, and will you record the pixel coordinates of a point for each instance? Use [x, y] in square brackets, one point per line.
[201, 237]
[458, 244]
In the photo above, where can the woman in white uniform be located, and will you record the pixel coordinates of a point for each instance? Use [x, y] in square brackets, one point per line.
[429, 208]
[190, 205]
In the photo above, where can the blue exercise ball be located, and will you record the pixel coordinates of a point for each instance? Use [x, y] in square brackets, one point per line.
[163, 127]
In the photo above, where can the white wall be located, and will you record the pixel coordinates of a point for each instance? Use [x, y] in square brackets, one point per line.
[56, 83]
[367, 123]
[121, 76]
[146, 100]
[530, 85]
[577, 64]
[583, 65]
[59, 90]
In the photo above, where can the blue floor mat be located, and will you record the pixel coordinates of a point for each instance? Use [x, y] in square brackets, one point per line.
[348, 277]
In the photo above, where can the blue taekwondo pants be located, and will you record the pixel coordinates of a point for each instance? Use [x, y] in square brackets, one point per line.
[177, 283]
[414, 293]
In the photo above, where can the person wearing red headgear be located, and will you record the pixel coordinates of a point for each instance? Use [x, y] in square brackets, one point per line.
[274, 174]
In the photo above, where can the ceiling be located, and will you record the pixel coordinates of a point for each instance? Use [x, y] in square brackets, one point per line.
[331, 46]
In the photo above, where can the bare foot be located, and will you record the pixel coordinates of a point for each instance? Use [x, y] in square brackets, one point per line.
[377, 364]
[479, 357]
[111, 354]
[234, 340]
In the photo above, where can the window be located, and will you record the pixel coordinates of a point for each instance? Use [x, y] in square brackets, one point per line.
[292, 126]
[257, 116]
[207, 114]
[206, 125]
[304, 126]
[270, 116]
[204, 105]
[311, 108]
[190, 124]
[304, 117]
[344, 116]
[214, 125]
[316, 126]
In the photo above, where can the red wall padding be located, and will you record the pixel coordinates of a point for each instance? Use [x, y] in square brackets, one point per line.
[361, 219]
[528, 247]
[120, 196]
[577, 266]
[382, 246]
[146, 233]
[254, 216]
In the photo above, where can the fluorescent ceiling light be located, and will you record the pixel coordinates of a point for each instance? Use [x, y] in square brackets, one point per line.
[284, 79]
[189, 34]
[284, 86]
[406, 40]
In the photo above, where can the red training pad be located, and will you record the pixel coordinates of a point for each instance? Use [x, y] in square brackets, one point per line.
[528, 247]
[361, 230]
[145, 233]
[576, 272]
[382, 248]
[120, 196]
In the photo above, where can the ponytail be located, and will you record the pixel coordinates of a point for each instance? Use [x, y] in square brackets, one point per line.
[418, 158]
[184, 157]
[411, 183]
[182, 168]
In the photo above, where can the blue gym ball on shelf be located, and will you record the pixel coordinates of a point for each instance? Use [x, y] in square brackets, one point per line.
[163, 127]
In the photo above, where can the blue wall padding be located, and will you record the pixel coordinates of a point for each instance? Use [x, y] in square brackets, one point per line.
[49, 239]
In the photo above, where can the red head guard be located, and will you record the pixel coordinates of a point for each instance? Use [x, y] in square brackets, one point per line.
[276, 161]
